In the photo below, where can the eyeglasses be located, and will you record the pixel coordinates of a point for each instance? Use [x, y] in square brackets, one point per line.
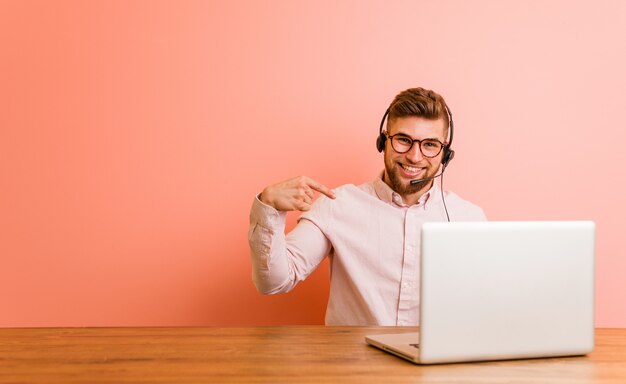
[402, 143]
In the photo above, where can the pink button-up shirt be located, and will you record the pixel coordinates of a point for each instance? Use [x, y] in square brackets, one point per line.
[372, 239]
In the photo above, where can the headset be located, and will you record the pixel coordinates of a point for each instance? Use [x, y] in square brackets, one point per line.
[448, 153]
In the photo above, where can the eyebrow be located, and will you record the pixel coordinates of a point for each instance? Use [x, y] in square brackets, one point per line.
[428, 138]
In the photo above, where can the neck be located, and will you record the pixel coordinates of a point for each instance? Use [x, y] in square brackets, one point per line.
[413, 198]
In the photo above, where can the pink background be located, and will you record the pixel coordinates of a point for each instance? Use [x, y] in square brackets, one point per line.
[134, 135]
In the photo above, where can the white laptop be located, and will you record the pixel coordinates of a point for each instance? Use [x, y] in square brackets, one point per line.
[501, 290]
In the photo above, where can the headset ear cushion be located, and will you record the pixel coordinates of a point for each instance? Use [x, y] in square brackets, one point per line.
[448, 155]
[380, 142]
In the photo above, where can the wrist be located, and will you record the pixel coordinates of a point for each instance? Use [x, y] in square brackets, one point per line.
[264, 197]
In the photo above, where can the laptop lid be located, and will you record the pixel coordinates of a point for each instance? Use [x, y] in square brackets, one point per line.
[503, 290]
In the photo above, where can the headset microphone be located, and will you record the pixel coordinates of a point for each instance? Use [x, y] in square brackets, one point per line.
[413, 182]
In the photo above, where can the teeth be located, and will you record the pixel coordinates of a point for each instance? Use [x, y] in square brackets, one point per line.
[410, 169]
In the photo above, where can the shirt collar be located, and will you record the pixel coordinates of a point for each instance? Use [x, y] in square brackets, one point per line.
[388, 195]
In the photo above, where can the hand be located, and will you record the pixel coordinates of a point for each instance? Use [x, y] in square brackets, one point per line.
[294, 194]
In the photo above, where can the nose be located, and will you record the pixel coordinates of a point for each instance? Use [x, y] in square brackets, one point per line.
[414, 155]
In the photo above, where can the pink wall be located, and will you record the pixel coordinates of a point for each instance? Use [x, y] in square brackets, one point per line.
[134, 135]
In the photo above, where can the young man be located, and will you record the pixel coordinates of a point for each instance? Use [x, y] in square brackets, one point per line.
[370, 232]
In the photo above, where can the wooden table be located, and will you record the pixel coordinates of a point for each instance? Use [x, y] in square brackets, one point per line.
[295, 354]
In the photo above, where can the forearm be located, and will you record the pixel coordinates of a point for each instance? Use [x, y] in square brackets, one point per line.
[270, 264]
[279, 261]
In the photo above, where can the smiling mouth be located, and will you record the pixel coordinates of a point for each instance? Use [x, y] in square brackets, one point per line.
[410, 169]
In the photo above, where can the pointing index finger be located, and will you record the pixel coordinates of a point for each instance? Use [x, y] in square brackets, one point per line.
[321, 188]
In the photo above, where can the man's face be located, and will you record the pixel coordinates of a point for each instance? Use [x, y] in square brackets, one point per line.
[401, 168]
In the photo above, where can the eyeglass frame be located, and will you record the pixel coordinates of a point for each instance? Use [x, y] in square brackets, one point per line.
[419, 142]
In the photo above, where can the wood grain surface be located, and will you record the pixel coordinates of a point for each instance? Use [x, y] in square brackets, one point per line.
[294, 354]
